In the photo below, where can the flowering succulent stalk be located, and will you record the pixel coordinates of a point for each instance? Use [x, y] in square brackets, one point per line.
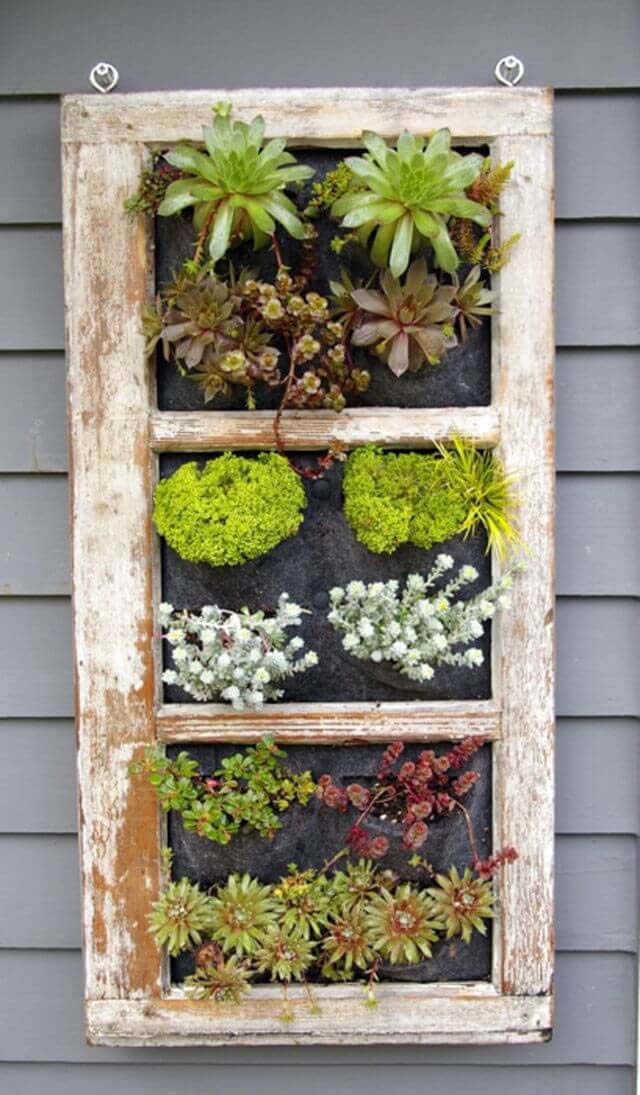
[417, 630]
[236, 185]
[410, 193]
[408, 324]
[237, 657]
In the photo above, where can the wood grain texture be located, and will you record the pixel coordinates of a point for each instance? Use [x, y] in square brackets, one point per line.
[332, 723]
[310, 116]
[106, 286]
[524, 649]
[191, 431]
[405, 1013]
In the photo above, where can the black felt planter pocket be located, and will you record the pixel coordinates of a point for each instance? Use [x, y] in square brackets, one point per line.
[325, 553]
[310, 835]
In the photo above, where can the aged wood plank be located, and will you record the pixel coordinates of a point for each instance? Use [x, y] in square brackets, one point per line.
[404, 1014]
[524, 647]
[106, 286]
[193, 431]
[310, 116]
[331, 723]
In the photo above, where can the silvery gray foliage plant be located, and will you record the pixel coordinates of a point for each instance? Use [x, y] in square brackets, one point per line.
[419, 627]
[238, 657]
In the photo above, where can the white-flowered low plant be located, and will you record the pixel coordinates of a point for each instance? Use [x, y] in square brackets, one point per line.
[239, 657]
[421, 626]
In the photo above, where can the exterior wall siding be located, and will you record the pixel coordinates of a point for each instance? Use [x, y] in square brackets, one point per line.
[598, 384]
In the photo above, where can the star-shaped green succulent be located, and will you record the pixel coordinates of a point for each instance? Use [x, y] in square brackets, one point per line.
[410, 193]
[462, 902]
[235, 186]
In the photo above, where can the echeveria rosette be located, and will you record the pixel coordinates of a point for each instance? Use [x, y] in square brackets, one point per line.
[411, 192]
[236, 186]
[406, 323]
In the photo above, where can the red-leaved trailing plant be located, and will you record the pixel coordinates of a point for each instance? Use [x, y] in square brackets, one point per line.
[414, 791]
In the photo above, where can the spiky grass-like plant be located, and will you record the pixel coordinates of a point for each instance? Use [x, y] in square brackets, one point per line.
[181, 916]
[224, 982]
[410, 193]
[462, 903]
[235, 186]
[242, 913]
[402, 925]
[487, 490]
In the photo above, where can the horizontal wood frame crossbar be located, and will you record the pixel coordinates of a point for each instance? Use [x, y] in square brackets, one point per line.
[404, 1014]
[192, 431]
[330, 723]
[116, 433]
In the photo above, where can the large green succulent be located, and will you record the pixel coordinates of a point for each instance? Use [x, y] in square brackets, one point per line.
[235, 186]
[410, 193]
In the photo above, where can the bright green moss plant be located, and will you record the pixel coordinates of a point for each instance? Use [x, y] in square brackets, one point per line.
[398, 498]
[426, 498]
[232, 510]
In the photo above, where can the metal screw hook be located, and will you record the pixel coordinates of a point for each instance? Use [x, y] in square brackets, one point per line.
[509, 70]
[104, 77]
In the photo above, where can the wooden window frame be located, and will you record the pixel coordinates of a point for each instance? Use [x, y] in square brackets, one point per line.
[116, 435]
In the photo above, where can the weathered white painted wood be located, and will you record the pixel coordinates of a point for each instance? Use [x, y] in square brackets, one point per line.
[192, 431]
[335, 723]
[113, 465]
[524, 645]
[308, 116]
[404, 1014]
[106, 286]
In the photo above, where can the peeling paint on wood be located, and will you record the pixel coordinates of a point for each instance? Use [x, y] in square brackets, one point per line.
[114, 434]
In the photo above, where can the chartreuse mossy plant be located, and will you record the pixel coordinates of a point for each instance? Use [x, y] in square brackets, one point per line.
[231, 510]
[426, 498]
[398, 498]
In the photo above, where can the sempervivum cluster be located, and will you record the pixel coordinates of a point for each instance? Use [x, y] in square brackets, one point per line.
[239, 657]
[210, 330]
[418, 628]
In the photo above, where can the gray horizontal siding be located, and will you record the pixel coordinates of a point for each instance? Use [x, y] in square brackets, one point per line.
[596, 900]
[592, 310]
[46, 801]
[30, 561]
[42, 1003]
[597, 657]
[586, 185]
[598, 529]
[289, 1079]
[598, 410]
[33, 428]
[45, 752]
[581, 44]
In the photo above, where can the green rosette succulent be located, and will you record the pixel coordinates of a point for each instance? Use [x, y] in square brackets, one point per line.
[462, 902]
[181, 916]
[235, 186]
[410, 193]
